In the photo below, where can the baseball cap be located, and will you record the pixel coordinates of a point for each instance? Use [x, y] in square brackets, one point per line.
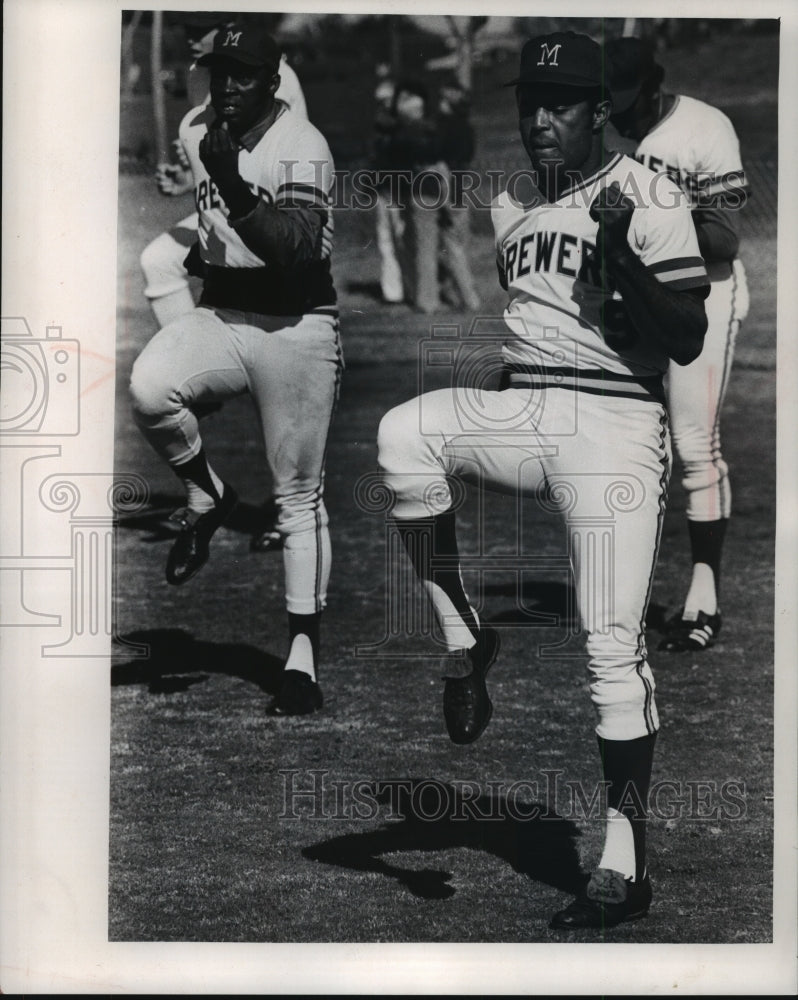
[204, 19]
[630, 64]
[247, 43]
[563, 57]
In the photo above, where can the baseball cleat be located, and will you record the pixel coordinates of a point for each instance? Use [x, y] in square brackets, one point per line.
[266, 541]
[191, 548]
[299, 695]
[467, 708]
[607, 900]
[202, 410]
[267, 538]
[691, 634]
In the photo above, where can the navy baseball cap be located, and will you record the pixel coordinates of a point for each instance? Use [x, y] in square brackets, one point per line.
[562, 58]
[631, 63]
[207, 19]
[247, 43]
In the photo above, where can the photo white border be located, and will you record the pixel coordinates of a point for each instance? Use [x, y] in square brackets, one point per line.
[60, 173]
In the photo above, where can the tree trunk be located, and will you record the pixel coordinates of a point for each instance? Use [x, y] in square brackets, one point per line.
[128, 34]
[158, 99]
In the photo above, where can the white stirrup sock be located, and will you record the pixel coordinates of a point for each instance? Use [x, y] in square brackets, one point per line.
[619, 845]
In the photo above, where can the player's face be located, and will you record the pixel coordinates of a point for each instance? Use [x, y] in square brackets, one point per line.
[636, 121]
[556, 125]
[200, 41]
[241, 95]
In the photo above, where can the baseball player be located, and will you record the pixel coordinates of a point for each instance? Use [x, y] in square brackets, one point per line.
[605, 289]
[696, 145]
[266, 324]
[162, 260]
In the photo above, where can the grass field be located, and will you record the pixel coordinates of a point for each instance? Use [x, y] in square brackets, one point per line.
[204, 845]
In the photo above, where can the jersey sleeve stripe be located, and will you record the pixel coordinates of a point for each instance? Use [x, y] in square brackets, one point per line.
[680, 281]
[718, 186]
[677, 264]
[304, 190]
[708, 180]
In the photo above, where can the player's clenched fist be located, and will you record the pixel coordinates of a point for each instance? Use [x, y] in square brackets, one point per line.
[613, 211]
[219, 154]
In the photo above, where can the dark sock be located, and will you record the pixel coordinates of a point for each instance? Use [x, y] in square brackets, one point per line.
[309, 625]
[196, 469]
[706, 544]
[431, 544]
[627, 768]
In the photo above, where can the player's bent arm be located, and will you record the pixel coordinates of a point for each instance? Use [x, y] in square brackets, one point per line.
[674, 319]
[281, 235]
[286, 235]
[717, 236]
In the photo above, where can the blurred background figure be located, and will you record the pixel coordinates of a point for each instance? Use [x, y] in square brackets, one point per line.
[162, 261]
[425, 145]
[414, 152]
[388, 219]
[457, 147]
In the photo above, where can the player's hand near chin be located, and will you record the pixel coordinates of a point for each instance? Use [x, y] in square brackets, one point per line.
[219, 154]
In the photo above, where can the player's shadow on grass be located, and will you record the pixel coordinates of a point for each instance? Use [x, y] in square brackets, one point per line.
[246, 518]
[177, 661]
[539, 600]
[534, 841]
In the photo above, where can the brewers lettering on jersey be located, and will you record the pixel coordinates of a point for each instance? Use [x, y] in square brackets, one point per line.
[266, 324]
[696, 145]
[605, 286]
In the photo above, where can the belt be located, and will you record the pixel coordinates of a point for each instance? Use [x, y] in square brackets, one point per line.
[593, 380]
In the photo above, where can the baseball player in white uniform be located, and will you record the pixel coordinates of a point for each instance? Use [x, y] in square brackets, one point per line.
[162, 260]
[266, 324]
[696, 145]
[606, 286]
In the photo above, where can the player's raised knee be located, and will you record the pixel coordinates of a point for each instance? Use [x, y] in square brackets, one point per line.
[162, 265]
[151, 390]
[395, 436]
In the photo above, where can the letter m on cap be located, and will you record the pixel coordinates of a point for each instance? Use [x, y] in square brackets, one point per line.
[549, 55]
[233, 38]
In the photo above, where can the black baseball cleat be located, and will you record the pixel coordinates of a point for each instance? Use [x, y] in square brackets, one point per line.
[467, 708]
[191, 548]
[266, 537]
[202, 410]
[608, 899]
[690, 634]
[299, 695]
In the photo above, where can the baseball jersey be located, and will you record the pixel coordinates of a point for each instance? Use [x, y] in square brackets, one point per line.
[290, 164]
[547, 258]
[696, 145]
